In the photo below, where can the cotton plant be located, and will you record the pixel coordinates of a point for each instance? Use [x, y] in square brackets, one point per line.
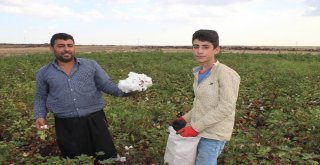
[126, 157]
[135, 82]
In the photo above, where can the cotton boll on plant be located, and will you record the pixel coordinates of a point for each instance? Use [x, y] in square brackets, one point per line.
[135, 82]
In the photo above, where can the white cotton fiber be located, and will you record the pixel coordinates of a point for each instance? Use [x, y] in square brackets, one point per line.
[135, 82]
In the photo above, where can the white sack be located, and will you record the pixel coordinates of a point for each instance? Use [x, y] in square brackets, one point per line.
[180, 150]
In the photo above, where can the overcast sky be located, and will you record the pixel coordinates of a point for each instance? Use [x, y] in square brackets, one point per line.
[162, 22]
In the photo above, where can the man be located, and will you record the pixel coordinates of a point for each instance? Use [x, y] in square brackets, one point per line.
[216, 89]
[71, 88]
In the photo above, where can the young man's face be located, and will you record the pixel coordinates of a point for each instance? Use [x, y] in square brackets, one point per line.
[204, 51]
[63, 50]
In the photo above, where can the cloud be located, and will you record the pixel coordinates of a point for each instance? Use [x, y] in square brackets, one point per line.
[201, 2]
[123, 10]
[171, 11]
[46, 9]
[313, 7]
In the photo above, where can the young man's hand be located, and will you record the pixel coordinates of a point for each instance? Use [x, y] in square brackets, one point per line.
[188, 132]
[179, 119]
[40, 123]
[178, 123]
[182, 119]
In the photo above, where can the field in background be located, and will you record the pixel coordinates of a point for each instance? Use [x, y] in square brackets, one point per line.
[277, 118]
[23, 49]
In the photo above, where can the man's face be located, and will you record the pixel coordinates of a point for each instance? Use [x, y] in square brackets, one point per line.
[204, 51]
[63, 50]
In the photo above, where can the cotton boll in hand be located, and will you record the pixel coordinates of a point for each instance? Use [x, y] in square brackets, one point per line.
[44, 127]
[135, 82]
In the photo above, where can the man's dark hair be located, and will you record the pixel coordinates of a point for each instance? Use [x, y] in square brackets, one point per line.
[63, 36]
[207, 35]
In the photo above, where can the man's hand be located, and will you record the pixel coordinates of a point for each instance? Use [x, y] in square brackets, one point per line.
[188, 132]
[40, 123]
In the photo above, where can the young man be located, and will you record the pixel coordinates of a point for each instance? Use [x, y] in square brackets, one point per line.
[216, 89]
[71, 88]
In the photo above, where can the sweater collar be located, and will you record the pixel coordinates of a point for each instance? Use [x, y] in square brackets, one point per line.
[195, 70]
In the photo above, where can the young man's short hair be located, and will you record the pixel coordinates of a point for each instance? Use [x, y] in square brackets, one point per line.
[63, 36]
[207, 35]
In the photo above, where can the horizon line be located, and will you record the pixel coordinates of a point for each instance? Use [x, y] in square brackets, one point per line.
[146, 45]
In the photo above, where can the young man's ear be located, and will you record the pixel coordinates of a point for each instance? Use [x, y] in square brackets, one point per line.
[217, 50]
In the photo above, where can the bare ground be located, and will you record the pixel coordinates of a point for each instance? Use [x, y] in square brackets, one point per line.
[24, 49]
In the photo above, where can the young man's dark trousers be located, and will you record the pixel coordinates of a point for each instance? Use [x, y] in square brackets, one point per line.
[85, 135]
